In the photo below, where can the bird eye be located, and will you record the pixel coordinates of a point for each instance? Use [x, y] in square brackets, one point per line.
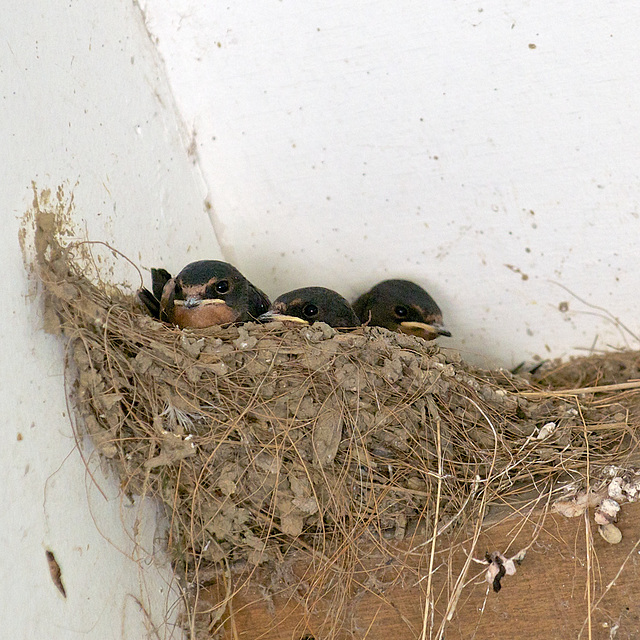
[177, 291]
[401, 311]
[222, 286]
[310, 310]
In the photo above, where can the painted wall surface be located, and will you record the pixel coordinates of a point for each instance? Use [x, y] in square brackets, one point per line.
[486, 150]
[83, 101]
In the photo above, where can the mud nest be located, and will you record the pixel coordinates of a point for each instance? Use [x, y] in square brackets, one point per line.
[265, 440]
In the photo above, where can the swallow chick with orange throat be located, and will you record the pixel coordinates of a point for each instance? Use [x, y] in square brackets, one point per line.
[203, 294]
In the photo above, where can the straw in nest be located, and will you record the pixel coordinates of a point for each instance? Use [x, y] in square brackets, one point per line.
[262, 440]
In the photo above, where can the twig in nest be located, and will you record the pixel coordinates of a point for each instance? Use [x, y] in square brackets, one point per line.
[605, 388]
[435, 416]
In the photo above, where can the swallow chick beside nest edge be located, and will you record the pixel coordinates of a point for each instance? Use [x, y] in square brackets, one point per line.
[203, 294]
[401, 305]
[312, 304]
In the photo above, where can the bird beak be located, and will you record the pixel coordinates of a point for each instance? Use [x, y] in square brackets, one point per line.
[195, 301]
[274, 316]
[424, 330]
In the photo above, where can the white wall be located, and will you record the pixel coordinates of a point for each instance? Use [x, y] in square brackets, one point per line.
[83, 100]
[339, 144]
[464, 145]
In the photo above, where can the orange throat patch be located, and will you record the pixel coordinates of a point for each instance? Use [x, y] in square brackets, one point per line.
[204, 315]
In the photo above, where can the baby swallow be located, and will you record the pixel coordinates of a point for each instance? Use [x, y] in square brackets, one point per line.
[400, 305]
[204, 293]
[312, 304]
